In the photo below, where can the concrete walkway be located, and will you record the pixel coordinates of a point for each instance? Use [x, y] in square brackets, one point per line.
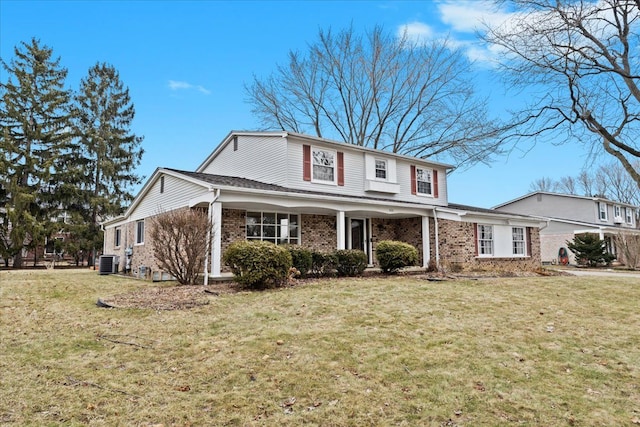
[602, 273]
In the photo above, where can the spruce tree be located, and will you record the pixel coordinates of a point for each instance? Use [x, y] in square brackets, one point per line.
[110, 150]
[590, 250]
[36, 130]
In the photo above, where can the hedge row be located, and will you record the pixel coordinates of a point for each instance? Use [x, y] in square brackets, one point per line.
[259, 265]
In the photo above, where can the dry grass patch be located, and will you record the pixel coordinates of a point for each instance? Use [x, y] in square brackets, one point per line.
[378, 351]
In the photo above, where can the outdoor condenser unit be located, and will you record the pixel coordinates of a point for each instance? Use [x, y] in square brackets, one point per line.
[108, 264]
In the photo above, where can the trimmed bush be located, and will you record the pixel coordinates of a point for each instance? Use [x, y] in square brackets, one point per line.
[393, 255]
[350, 262]
[302, 259]
[322, 264]
[258, 265]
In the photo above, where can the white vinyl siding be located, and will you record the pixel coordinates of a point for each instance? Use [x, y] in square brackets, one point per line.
[261, 158]
[177, 193]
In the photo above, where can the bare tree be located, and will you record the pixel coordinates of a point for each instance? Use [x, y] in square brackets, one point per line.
[383, 92]
[544, 184]
[568, 185]
[583, 59]
[181, 241]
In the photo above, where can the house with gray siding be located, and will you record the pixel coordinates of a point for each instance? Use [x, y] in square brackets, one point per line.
[568, 215]
[289, 188]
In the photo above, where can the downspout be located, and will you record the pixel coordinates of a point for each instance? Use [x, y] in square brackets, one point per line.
[206, 256]
[437, 243]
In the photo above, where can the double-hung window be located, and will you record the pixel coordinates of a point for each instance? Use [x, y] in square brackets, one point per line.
[602, 211]
[485, 240]
[381, 169]
[117, 237]
[423, 181]
[140, 232]
[518, 238]
[275, 227]
[324, 165]
[628, 215]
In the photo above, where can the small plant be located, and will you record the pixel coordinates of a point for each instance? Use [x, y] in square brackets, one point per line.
[322, 264]
[393, 255]
[258, 265]
[302, 259]
[180, 243]
[350, 262]
[590, 250]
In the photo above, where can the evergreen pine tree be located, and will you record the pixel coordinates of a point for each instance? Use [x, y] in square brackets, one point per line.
[110, 151]
[36, 130]
[590, 250]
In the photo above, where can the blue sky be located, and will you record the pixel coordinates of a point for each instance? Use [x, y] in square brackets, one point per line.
[186, 63]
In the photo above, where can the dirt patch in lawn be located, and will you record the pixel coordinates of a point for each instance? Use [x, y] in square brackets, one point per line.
[168, 297]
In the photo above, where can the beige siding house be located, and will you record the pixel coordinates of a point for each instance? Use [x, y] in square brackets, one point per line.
[568, 215]
[289, 188]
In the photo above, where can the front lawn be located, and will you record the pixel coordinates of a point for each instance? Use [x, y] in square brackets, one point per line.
[380, 351]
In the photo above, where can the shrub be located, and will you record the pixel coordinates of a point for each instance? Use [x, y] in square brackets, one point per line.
[350, 262]
[258, 265]
[302, 259]
[590, 250]
[180, 243]
[393, 255]
[322, 264]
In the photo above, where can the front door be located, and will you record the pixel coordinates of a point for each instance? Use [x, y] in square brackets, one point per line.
[357, 235]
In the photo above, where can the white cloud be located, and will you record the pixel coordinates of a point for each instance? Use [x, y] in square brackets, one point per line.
[468, 16]
[179, 85]
[416, 31]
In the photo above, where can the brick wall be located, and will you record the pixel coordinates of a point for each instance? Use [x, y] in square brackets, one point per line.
[408, 230]
[457, 247]
[318, 232]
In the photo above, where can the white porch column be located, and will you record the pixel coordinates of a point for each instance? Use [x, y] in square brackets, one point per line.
[426, 242]
[216, 239]
[340, 230]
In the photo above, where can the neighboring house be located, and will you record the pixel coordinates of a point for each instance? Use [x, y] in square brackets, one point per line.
[568, 215]
[289, 188]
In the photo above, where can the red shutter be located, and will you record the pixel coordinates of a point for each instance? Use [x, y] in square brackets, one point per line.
[413, 179]
[435, 183]
[306, 162]
[475, 237]
[340, 168]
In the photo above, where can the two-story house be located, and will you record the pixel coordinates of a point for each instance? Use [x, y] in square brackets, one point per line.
[289, 188]
[567, 215]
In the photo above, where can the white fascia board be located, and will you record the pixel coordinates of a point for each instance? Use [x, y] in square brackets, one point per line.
[497, 218]
[235, 194]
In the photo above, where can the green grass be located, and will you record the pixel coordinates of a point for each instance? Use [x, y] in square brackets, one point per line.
[381, 351]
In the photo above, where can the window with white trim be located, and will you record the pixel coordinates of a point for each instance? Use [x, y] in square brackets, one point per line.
[381, 169]
[423, 181]
[276, 227]
[140, 232]
[519, 242]
[628, 215]
[324, 165]
[117, 237]
[617, 212]
[602, 209]
[485, 240]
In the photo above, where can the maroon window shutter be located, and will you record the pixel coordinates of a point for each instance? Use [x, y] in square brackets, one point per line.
[340, 168]
[528, 241]
[413, 179]
[435, 183]
[306, 162]
[475, 237]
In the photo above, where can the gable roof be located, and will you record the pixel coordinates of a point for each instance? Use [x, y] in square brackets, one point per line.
[318, 140]
[568, 196]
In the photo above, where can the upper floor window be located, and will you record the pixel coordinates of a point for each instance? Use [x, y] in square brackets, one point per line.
[117, 237]
[381, 169]
[628, 215]
[485, 240]
[275, 227]
[518, 238]
[140, 232]
[617, 211]
[602, 211]
[162, 184]
[324, 165]
[423, 181]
